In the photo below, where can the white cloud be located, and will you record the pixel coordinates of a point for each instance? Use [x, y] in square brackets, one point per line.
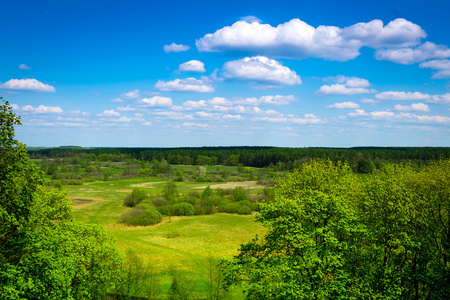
[156, 101]
[346, 86]
[42, 109]
[24, 67]
[233, 117]
[109, 113]
[442, 66]
[134, 94]
[251, 19]
[219, 101]
[261, 69]
[192, 66]
[122, 119]
[175, 48]
[296, 39]
[187, 124]
[30, 85]
[402, 116]
[126, 108]
[394, 95]
[173, 115]
[267, 100]
[204, 114]
[185, 85]
[412, 107]
[440, 99]
[117, 100]
[369, 101]
[407, 56]
[344, 105]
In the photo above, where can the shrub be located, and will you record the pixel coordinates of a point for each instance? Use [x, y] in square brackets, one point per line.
[159, 201]
[137, 195]
[244, 210]
[239, 194]
[232, 208]
[184, 209]
[198, 210]
[164, 210]
[148, 217]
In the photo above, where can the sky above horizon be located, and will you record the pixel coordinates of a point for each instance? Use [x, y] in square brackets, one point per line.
[227, 73]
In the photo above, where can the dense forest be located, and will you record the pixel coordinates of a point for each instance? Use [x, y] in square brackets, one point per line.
[360, 159]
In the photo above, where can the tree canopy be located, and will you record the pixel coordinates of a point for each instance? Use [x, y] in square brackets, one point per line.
[44, 253]
[333, 235]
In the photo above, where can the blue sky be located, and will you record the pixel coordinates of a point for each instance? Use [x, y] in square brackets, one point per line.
[229, 73]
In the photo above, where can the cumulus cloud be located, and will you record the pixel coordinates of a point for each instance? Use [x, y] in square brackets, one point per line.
[24, 67]
[185, 85]
[442, 66]
[29, 85]
[344, 105]
[42, 109]
[262, 70]
[175, 48]
[192, 66]
[407, 56]
[394, 95]
[412, 107]
[156, 101]
[346, 86]
[109, 113]
[297, 39]
[117, 100]
[134, 94]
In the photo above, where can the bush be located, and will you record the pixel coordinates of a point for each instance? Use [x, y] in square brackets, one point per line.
[232, 208]
[159, 201]
[184, 209]
[137, 195]
[198, 210]
[244, 210]
[164, 210]
[239, 194]
[148, 217]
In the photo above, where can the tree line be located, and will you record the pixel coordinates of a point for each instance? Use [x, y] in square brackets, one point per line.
[360, 159]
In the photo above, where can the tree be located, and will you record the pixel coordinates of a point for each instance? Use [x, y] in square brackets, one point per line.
[44, 253]
[308, 252]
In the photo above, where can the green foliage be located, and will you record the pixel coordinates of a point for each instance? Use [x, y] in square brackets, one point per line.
[184, 209]
[143, 214]
[44, 254]
[137, 195]
[334, 236]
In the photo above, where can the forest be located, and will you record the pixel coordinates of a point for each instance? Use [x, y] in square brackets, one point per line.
[222, 222]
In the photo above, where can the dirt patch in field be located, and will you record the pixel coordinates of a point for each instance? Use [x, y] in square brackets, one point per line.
[81, 201]
[85, 189]
[232, 185]
[147, 184]
[124, 191]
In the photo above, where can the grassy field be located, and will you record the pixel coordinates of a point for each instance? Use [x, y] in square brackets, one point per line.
[184, 243]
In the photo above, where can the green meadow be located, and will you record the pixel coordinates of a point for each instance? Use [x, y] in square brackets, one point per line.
[187, 244]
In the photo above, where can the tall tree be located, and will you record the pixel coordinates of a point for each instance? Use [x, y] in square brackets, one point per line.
[44, 253]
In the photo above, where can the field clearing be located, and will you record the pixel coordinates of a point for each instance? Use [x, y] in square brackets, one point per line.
[187, 244]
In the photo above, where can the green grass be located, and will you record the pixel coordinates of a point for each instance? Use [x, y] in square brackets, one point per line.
[184, 243]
